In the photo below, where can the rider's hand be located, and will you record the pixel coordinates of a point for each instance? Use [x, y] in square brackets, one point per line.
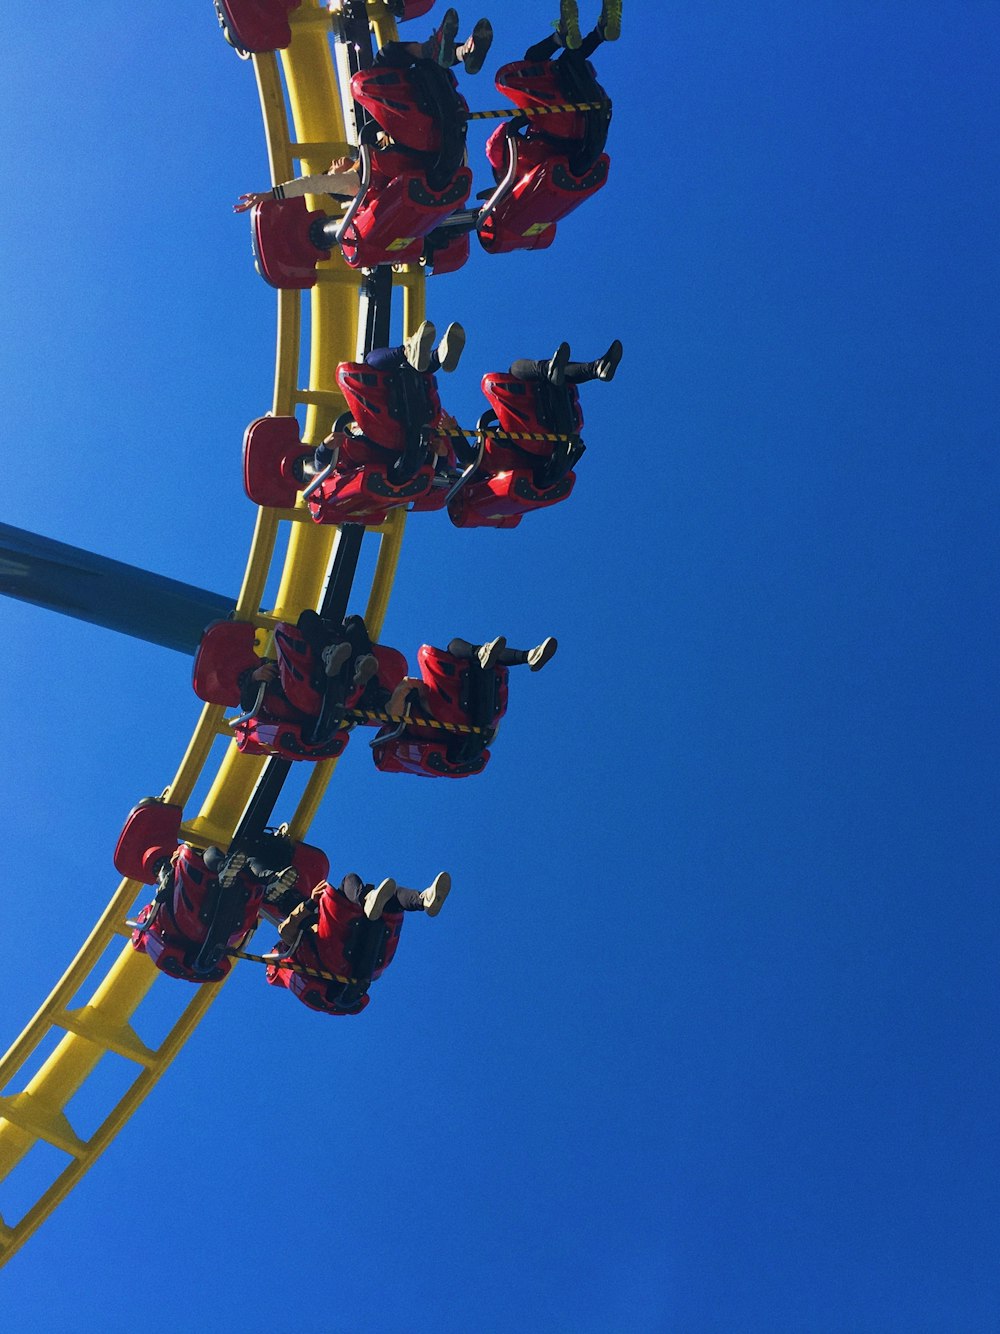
[248, 201]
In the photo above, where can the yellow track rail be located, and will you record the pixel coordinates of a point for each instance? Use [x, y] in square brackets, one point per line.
[36, 1112]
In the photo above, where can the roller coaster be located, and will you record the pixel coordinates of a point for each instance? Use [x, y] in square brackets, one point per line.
[304, 66]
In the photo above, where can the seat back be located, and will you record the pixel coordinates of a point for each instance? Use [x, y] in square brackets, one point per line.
[201, 907]
[259, 25]
[150, 835]
[391, 224]
[533, 407]
[226, 650]
[525, 219]
[270, 447]
[391, 407]
[421, 109]
[283, 250]
[555, 83]
[300, 671]
[349, 944]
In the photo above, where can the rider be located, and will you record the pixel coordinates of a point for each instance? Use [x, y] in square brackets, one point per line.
[345, 652]
[440, 48]
[417, 352]
[341, 179]
[349, 931]
[567, 33]
[560, 370]
[462, 686]
[206, 904]
[576, 50]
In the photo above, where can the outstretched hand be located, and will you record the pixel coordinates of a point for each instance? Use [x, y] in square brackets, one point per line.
[248, 201]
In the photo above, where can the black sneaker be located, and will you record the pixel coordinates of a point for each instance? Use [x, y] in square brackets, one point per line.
[608, 364]
[476, 48]
[557, 365]
[440, 46]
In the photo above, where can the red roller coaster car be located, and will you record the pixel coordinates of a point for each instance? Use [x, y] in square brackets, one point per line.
[458, 694]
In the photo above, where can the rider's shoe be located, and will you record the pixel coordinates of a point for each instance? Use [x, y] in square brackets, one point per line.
[609, 25]
[540, 655]
[605, 367]
[434, 896]
[568, 27]
[335, 657]
[376, 899]
[284, 880]
[364, 669]
[557, 365]
[440, 46]
[418, 346]
[489, 653]
[450, 347]
[475, 49]
[234, 865]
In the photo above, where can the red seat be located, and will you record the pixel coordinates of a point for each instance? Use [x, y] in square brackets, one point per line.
[313, 866]
[419, 108]
[284, 252]
[346, 944]
[533, 407]
[500, 498]
[517, 476]
[550, 83]
[365, 493]
[412, 9]
[543, 193]
[284, 722]
[419, 748]
[258, 25]
[446, 254]
[149, 836]
[271, 446]
[225, 652]
[560, 159]
[390, 407]
[200, 919]
[390, 225]
[358, 490]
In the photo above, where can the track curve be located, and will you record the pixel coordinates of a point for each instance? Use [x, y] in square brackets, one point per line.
[302, 112]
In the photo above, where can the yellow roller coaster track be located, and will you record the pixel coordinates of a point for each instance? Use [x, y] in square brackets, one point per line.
[92, 1029]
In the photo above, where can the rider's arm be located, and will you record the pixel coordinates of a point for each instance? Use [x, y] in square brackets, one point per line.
[344, 181]
[398, 698]
[326, 183]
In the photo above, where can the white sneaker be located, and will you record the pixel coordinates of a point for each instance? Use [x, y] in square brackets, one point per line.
[434, 896]
[418, 346]
[488, 653]
[540, 655]
[450, 347]
[335, 656]
[376, 899]
[364, 669]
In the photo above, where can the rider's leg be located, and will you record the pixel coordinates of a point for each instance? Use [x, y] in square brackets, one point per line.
[579, 372]
[427, 900]
[535, 658]
[567, 34]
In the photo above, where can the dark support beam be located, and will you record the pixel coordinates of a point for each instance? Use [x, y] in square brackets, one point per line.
[106, 592]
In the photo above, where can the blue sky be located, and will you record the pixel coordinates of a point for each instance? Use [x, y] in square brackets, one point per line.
[703, 1039]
